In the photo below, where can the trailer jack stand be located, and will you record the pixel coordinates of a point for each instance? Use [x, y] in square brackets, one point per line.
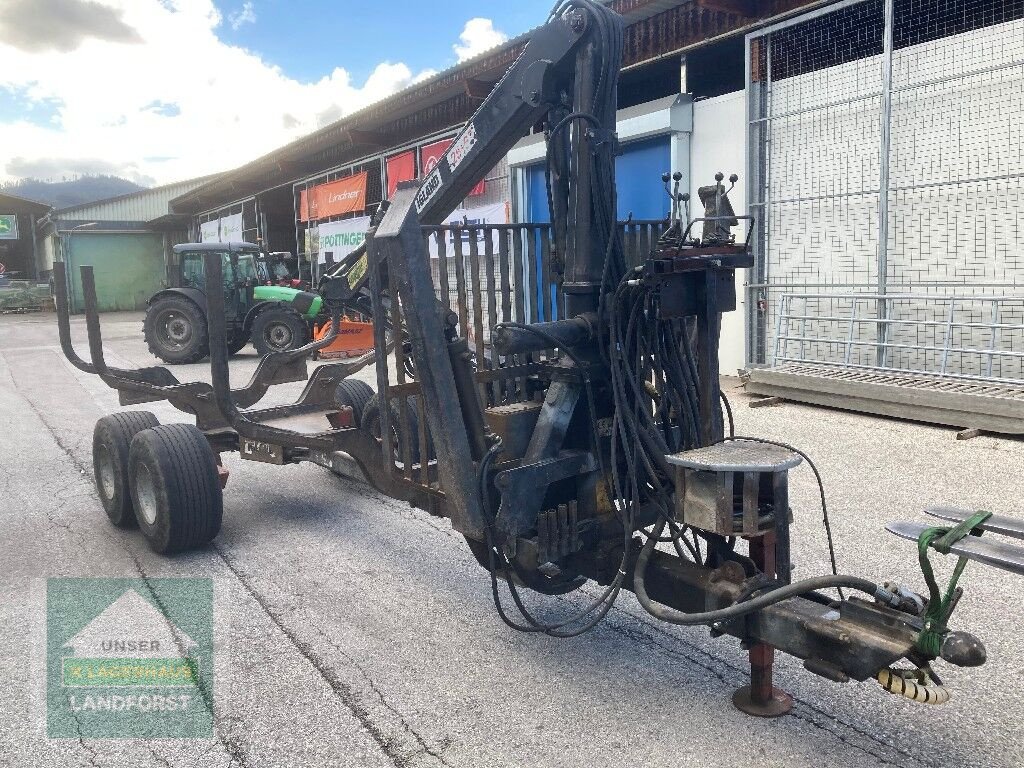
[761, 698]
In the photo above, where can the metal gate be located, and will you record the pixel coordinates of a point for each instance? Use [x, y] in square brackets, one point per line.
[886, 144]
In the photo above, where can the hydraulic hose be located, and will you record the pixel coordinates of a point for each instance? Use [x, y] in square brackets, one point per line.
[738, 610]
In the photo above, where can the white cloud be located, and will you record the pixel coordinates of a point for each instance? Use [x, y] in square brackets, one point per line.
[477, 36]
[168, 100]
[245, 15]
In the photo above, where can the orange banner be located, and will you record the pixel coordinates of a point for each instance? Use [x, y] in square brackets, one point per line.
[336, 198]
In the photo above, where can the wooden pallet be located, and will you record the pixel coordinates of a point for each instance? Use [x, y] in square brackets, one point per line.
[988, 406]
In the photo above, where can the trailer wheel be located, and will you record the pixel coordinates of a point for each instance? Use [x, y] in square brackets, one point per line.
[355, 394]
[111, 441]
[237, 342]
[371, 423]
[175, 330]
[278, 330]
[175, 488]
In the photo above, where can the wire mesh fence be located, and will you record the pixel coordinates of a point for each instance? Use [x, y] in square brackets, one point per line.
[887, 157]
[947, 334]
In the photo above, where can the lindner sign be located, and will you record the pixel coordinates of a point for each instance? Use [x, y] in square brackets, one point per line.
[335, 198]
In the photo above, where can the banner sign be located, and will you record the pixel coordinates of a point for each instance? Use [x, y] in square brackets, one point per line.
[226, 230]
[340, 238]
[209, 231]
[490, 214]
[335, 198]
[231, 229]
[8, 226]
[312, 241]
[432, 154]
[400, 168]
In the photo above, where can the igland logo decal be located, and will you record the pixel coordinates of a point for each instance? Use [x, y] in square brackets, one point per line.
[129, 658]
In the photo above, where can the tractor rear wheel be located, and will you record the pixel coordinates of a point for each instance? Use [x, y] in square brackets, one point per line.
[175, 330]
[111, 441]
[278, 330]
[175, 488]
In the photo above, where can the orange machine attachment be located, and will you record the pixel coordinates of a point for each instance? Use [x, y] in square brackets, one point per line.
[354, 338]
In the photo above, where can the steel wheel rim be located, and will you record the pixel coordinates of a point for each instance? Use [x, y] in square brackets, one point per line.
[145, 493]
[279, 336]
[175, 328]
[105, 470]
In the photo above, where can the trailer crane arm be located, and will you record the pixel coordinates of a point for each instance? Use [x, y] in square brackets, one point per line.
[573, 59]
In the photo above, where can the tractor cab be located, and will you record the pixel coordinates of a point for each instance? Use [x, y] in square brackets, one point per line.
[176, 323]
[244, 269]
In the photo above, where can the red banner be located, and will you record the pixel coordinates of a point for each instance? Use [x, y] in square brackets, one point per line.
[432, 154]
[400, 168]
[335, 198]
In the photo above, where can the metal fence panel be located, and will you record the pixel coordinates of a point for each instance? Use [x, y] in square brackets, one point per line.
[887, 157]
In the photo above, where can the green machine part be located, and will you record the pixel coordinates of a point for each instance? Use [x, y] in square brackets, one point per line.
[306, 304]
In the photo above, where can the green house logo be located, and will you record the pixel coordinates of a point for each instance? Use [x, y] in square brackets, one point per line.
[129, 658]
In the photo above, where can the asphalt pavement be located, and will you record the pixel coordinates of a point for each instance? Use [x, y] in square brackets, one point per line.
[353, 630]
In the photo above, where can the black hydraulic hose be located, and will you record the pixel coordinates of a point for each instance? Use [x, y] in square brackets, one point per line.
[737, 610]
[728, 412]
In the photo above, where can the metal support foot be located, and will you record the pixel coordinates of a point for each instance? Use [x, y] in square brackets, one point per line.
[761, 698]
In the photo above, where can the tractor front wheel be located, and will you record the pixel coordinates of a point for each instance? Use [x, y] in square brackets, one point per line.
[278, 330]
[175, 330]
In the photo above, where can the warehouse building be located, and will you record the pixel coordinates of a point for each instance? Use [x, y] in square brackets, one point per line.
[314, 197]
[126, 239]
[878, 144]
[18, 217]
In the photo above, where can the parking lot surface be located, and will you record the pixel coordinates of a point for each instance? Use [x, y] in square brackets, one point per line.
[356, 631]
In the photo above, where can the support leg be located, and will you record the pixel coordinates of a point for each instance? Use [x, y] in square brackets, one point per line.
[761, 698]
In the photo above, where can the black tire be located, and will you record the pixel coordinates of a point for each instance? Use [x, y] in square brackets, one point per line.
[371, 423]
[175, 330]
[237, 342]
[355, 394]
[175, 489]
[278, 330]
[111, 441]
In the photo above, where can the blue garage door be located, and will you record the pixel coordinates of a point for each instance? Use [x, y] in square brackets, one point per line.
[638, 173]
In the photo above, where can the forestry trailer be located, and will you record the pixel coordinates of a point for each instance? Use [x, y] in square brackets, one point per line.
[592, 446]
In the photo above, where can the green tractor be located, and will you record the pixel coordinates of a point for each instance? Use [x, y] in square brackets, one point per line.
[275, 318]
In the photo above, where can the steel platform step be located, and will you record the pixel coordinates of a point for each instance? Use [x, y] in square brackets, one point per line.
[1001, 524]
[995, 553]
[992, 406]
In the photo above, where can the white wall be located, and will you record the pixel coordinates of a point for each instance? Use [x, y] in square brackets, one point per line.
[719, 144]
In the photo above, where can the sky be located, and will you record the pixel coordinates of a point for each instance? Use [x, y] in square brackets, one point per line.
[159, 91]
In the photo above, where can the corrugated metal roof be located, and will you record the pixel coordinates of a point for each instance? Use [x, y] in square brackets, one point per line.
[19, 204]
[144, 205]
